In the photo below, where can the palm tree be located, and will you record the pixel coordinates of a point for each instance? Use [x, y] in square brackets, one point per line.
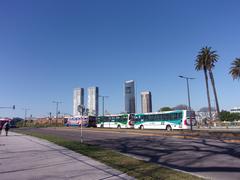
[200, 64]
[235, 69]
[212, 58]
[206, 60]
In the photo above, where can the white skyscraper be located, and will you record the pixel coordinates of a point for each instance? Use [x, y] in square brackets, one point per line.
[93, 101]
[78, 99]
[146, 101]
[129, 97]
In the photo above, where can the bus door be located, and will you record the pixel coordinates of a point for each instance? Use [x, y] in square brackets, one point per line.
[106, 123]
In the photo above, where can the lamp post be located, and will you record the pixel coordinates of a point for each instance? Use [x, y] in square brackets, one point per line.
[189, 104]
[103, 97]
[57, 103]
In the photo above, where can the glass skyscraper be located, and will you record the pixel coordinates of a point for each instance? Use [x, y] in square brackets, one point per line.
[129, 92]
[146, 101]
[93, 94]
[78, 99]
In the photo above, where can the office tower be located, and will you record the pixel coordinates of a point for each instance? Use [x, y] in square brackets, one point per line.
[78, 99]
[93, 101]
[146, 101]
[129, 97]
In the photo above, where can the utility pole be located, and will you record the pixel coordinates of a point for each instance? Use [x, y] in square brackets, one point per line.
[103, 97]
[57, 112]
[189, 104]
[25, 114]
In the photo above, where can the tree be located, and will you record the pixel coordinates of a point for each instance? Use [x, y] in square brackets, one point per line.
[205, 61]
[180, 107]
[205, 109]
[212, 59]
[227, 116]
[165, 109]
[235, 69]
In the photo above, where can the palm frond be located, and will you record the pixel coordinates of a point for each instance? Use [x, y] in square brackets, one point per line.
[235, 69]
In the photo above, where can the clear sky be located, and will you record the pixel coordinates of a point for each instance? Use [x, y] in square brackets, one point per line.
[49, 47]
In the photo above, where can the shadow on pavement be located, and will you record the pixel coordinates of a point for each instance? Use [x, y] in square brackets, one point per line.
[187, 155]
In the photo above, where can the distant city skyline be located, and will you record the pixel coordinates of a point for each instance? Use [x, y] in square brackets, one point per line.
[48, 48]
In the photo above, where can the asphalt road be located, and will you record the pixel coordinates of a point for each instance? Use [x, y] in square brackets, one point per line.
[205, 156]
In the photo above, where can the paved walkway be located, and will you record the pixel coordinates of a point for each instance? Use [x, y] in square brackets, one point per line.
[24, 157]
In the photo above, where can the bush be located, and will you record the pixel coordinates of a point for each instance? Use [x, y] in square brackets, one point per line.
[227, 116]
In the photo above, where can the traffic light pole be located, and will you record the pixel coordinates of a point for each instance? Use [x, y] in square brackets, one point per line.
[13, 107]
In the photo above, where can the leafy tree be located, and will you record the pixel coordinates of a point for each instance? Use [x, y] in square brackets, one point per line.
[235, 69]
[165, 109]
[180, 107]
[224, 115]
[205, 61]
[227, 116]
[205, 109]
[236, 116]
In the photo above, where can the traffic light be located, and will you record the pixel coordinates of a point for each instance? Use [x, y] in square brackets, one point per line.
[13, 107]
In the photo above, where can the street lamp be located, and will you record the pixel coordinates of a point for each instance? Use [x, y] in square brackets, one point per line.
[189, 104]
[103, 97]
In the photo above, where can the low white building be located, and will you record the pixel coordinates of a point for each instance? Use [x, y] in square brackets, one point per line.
[235, 110]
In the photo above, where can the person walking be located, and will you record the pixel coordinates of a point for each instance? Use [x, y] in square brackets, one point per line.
[7, 127]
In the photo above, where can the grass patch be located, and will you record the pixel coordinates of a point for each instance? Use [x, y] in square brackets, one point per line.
[133, 167]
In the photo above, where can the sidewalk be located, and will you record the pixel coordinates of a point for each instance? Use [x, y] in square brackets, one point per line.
[24, 157]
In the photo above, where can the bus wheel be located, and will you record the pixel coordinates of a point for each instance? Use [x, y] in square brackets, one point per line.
[141, 127]
[168, 128]
[119, 127]
[101, 125]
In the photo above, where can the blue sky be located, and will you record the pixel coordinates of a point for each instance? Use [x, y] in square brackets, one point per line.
[49, 47]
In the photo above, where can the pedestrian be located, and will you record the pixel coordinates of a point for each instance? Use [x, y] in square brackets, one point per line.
[1, 126]
[7, 127]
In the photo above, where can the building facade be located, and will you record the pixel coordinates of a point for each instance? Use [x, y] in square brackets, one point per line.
[146, 101]
[93, 94]
[129, 92]
[235, 110]
[78, 99]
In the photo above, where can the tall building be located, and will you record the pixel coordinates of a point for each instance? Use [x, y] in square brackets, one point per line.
[146, 101]
[78, 99]
[129, 97]
[93, 101]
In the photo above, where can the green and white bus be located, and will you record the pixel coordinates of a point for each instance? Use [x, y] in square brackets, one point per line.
[116, 121]
[168, 120]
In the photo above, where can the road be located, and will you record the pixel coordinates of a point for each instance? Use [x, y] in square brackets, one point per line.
[205, 156]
